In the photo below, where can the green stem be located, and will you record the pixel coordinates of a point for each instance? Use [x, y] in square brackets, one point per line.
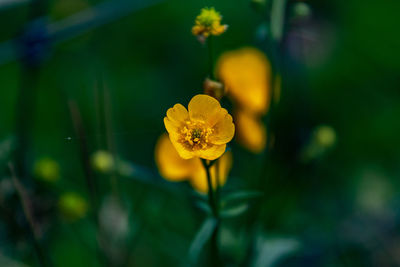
[214, 205]
[210, 57]
[211, 196]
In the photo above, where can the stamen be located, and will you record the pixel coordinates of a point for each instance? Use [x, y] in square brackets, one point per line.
[195, 135]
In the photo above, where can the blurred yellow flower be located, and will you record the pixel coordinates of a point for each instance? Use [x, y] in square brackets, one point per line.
[199, 178]
[103, 161]
[175, 169]
[47, 169]
[208, 23]
[170, 165]
[201, 131]
[72, 206]
[246, 73]
[251, 132]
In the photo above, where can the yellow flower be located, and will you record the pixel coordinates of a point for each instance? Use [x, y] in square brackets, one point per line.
[175, 169]
[72, 206]
[251, 132]
[201, 131]
[208, 23]
[47, 169]
[246, 75]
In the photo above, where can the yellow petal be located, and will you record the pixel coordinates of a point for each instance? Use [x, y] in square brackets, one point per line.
[179, 147]
[177, 114]
[246, 74]
[250, 131]
[204, 108]
[170, 126]
[223, 130]
[170, 165]
[210, 153]
[199, 178]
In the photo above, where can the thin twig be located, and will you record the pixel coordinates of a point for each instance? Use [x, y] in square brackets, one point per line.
[25, 203]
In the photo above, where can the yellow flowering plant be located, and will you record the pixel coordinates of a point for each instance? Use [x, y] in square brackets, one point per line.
[195, 149]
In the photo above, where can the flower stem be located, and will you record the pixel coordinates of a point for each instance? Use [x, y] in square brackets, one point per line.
[210, 57]
[211, 195]
[214, 205]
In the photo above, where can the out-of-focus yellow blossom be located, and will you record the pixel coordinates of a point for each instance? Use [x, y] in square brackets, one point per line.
[103, 161]
[246, 74]
[175, 169]
[250, 131]
[199, 178]
[172, 166]
[325, 136]
[47, 169]
[200, 131]
[72, 206]
[208, 23]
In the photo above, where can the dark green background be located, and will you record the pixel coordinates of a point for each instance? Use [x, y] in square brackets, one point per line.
[347, 77]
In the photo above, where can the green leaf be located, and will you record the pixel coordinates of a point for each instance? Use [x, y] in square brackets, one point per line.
[269, 251]
[234, 211]
[203, 206]
[242, 195]
[277, 19]
[201, 238]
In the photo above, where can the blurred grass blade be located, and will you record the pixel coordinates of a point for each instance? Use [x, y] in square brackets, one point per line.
[277, 19]
[270, 251]
[6, 147]
[242, 195]
[74, 25]
[201, 239]
[234, 211]
[6, 4]
[94, 17]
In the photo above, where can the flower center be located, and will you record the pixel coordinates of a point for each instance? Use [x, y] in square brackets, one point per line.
[195, 135]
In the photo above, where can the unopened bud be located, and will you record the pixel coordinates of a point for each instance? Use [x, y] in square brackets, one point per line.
[214, 88]
[72, 206]
[103, 161]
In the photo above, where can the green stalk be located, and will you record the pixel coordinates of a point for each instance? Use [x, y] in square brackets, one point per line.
[210, 57]
[211, 196]
[214, 205]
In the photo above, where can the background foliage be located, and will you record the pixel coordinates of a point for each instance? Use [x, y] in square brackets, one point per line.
[339, 67]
